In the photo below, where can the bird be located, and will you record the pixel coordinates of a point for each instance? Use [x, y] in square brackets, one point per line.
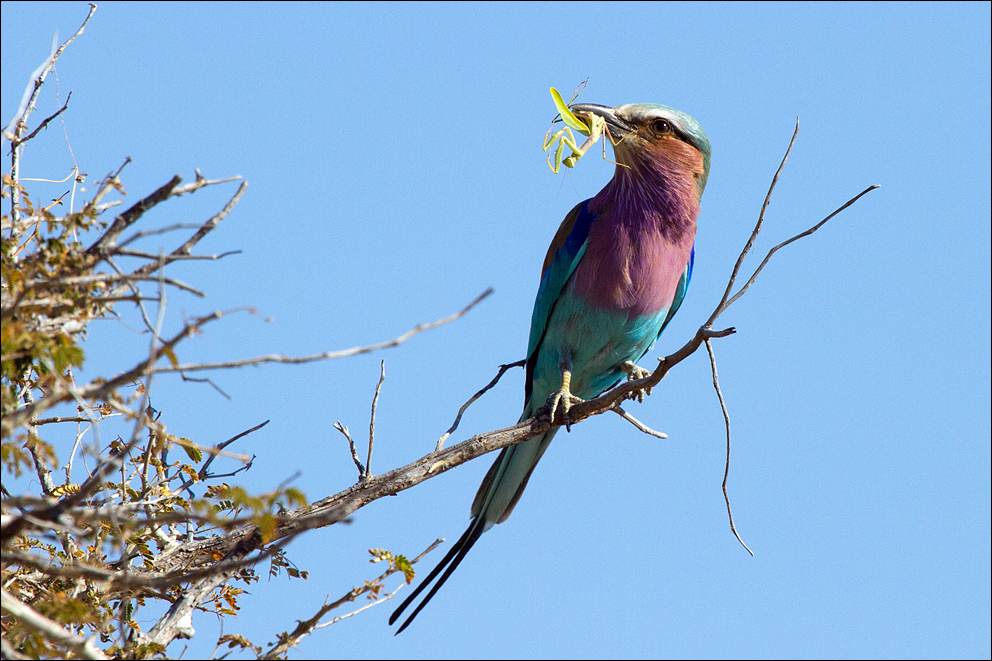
[615, 274]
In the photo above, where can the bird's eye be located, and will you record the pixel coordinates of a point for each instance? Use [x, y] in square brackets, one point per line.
[661, 127]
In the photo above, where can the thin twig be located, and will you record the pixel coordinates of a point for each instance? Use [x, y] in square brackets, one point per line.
[99, 278]
[20, 141]
[306, 627]
[202, 473]
[726, 419]
[359, 610]
[458, 418]
[126, 252]
[351, 444]
[375, 402]
[207, 381]
[812, 229]
[724, 304]
[327, 355]
[157, 231]
[640, 425]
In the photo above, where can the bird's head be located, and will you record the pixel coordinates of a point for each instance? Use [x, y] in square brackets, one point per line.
[657, 137]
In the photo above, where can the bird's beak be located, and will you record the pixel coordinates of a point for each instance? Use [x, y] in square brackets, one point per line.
[617, 126]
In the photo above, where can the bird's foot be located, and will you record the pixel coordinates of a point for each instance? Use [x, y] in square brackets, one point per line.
[635, 372]
[564, 397]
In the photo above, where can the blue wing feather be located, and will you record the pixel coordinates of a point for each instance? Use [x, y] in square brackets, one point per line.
[563, 256]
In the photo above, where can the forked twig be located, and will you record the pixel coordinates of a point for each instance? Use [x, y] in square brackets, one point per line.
[727, 300]
[17, 142]
[306, 627]
[724, 304]
[812, 229]
[220, 446]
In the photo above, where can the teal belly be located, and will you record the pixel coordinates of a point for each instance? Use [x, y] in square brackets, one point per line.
[592, 343]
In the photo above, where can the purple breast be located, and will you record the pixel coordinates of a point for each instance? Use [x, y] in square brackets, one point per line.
[631, 269]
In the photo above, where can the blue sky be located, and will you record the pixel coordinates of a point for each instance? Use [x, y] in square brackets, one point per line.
[393, 154]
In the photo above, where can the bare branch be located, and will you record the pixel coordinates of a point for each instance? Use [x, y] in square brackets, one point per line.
[132, 215]
[58, 283]
[354, 453]
[754, 233]
[328, 355]
[375, 401]
[727, 300]
[796, 238]
[18, 124]
[461, 411]
[156, 232]
[726, 419]
[306, 627]
[640, 425]
[48, 421]
[207, 381]
[38, 79]
[200, 182]
[99, 390]
[205, 229]
[17, 142]
[147, 255]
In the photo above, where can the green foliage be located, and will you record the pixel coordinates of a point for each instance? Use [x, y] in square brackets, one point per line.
[396, 562]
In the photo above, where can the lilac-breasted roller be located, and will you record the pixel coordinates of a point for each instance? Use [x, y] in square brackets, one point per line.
[614, 276]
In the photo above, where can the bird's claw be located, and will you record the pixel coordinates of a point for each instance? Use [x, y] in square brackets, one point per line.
[635, 372]
[564, 397]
